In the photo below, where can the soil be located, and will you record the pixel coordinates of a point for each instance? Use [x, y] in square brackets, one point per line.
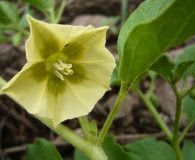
[18, 128]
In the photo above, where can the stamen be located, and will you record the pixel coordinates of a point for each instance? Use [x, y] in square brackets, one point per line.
[59, 75]
[58, 66]
[62, 68]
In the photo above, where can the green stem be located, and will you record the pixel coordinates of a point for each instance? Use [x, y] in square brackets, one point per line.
[60, 11]
[175, 140]
[118, 103]
[186, 93]
[124, 11]
[155, 114]
[185, 130]
[84, 125]
[90, 150]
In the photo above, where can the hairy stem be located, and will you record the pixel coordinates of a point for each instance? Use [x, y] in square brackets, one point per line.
[90, 150]
[118, 103]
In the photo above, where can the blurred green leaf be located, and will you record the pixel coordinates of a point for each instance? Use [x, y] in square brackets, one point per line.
[163, 66]
[188, 150]
[8, 14]
[184, 64]
[155, 27]
[189, 108]
[115, 79]
[3, 38]
[23, 22]
[16, 40]
[42, 149]
[41, 5]
[150, 149]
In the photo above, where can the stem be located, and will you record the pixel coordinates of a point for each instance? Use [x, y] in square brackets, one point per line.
[175, 140]
[124, 11]
[155, 114]
[186, 93]
[118, 103]
[60, 11]
[177, 115]
[185, 130]
[86, 147]
[84, 125]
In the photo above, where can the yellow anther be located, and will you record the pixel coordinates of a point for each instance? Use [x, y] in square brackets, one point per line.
[62, 68]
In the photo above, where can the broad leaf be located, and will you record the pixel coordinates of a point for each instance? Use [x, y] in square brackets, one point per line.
[150, 149]
[163, 66]
[189, 108]
[42, 150]
[115, 79]
[185, 64]
[152, 29]
[188, 150]
[8, 14]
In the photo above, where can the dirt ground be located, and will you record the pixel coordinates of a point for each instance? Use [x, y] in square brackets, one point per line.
[18, 128]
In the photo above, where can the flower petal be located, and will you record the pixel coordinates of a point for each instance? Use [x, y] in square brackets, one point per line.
[46, 39]
[25, 90]
[77, 100]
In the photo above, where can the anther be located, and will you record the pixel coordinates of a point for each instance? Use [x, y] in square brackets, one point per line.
[62, 68]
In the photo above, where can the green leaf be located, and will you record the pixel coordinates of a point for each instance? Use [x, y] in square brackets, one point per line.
[41, 5]
[184, 64]
[8, 14]
[163, 66]
[17, 38]
[188, 150]
[189, 108]
[115, 79]
[42, 149]
[113, 150]
[155, 27]
[93, 128]
[150, 149]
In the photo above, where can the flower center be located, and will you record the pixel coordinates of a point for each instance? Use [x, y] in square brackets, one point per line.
[62, 69]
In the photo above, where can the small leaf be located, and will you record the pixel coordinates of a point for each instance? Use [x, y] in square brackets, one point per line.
[163, 66]
[188, 150]
[17, 38]
[155, 27]
[8, 13]
[183, 63]
[42, 149]
[150, 149]
[115, 79]
[189, 108]
[41, 5]
[93, 128]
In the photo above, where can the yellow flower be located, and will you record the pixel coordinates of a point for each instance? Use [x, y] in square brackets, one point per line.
[68, 70]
